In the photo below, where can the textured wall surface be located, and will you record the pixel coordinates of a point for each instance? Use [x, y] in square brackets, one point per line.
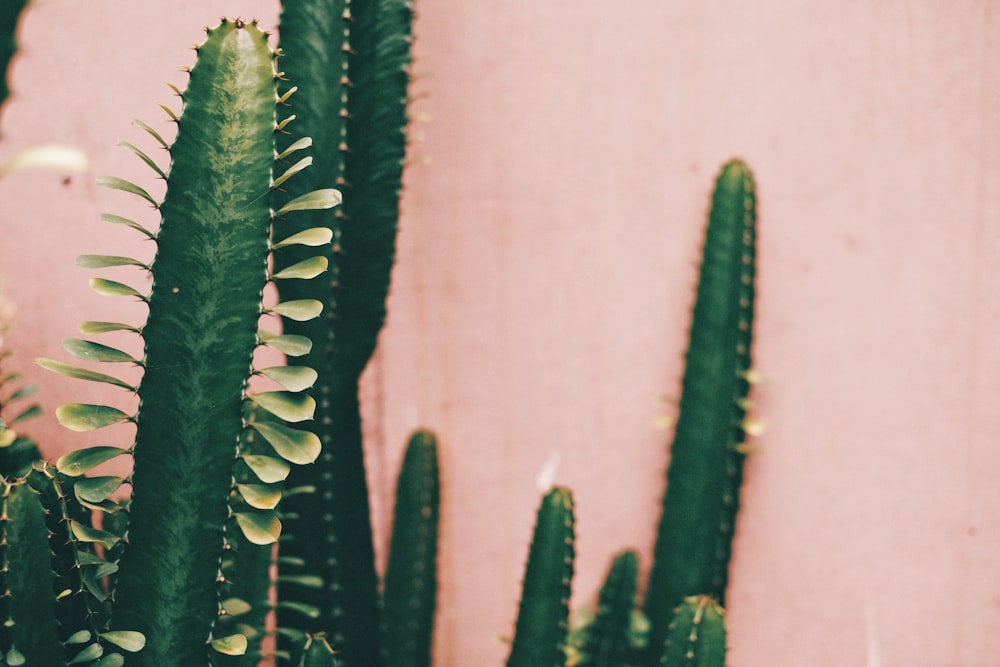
[561, 159]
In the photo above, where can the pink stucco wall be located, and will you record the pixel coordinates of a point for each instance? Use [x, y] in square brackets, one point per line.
[562, 155]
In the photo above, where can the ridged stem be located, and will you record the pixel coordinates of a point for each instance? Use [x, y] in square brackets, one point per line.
[209, 274]
[696, 635]
[410, 586]
[608, 638]
[706, 458]
[543, 616]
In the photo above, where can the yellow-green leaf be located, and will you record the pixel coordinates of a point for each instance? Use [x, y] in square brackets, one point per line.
[119, 220]
[107, 287]
[105, 261]
[315, 236]
[128, 640]
[92, 652]
[292, 378]
[89, 351]
[291, 407]
[291, 171]
[267, 468]
[305, 270]
[299, 310]
[110, 660]
[288, 344]
[231, 645]
[259, 527]
[93, 327]
[88, 417]
[145, 158]
[311, 201]
[76, 463]
[260, 496]
[304, 142]
[293, 445]
[125, 186]
[81, 373]
[235, 606]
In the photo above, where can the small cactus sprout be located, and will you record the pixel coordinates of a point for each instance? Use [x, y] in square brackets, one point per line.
[696, 635]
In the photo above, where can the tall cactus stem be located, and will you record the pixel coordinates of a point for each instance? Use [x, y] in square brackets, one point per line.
[693, 544]
[208, 279]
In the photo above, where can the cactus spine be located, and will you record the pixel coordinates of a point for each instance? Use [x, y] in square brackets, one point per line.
[706, 466]
[543, 616]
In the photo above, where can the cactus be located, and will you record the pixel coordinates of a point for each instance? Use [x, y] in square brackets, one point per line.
[543, 617]
[696, 636]
[410, 585]
[350, 60]
[10, 13]
[693, 545]
[610, 637]
[209, 275]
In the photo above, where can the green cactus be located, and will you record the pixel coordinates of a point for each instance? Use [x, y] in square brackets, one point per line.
[543, 617]
[706, 465]
[410, 586]
[617, 628]
[209, 275]
[350, 59]
[10, 13]
[696, 636]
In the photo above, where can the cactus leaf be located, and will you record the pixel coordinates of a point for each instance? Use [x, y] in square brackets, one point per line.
[292, 378]
[114, 288]
[259, 527]
[291, 407]
[116, 183]
[92, 652]
[304, 142]
[291, 171]
[145, 158]
[312, 201]
[89, 417]
[307, 268]
[85, 533]
[231, 645]
[76, 463]
[288, 344]
[90, 351]
[127, 640]
[97, 489]
[293, 445]
[314, 236]
[27, 413]
[119, 220]
[307, 610]
[268, 469]
[81, 373]
[235, 606]
[81, 637]
[95, 327]
[307, 580]
[151, 132]
[260, 496]
[110, 660]
[105, 261]
[299, 310]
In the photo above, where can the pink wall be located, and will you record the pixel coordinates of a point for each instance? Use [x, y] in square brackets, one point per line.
[562, 157]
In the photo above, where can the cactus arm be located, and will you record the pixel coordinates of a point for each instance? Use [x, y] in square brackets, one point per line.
[543, 616]
[347, 86]
[209, 274]
[410, 585]
[608, 639]
[30, 628]
[696, 635]
[693, 545]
